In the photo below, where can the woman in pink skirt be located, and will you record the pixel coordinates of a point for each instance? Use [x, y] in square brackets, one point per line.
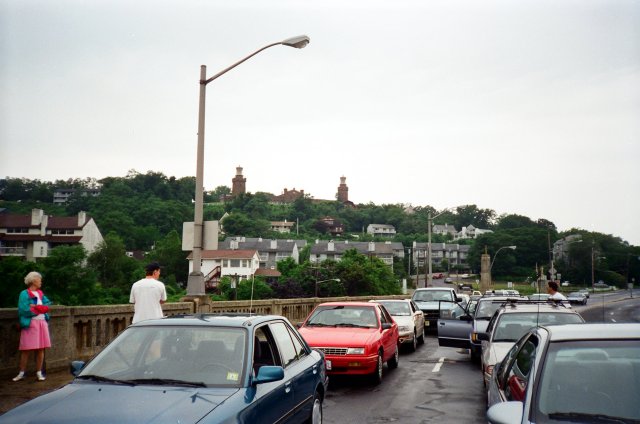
[34, 330]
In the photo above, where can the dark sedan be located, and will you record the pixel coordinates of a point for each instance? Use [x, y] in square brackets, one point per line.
[192, 369]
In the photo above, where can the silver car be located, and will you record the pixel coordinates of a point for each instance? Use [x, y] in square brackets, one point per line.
[410, 320]
[513, 320]
[586, 373]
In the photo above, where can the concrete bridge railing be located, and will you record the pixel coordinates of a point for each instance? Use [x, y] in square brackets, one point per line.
[79, 332]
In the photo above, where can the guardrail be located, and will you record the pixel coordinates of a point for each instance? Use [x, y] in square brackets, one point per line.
[79, 332]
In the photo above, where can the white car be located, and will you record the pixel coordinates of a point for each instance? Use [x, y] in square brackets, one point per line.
[410, 320]
[511, 322]
[585, 373]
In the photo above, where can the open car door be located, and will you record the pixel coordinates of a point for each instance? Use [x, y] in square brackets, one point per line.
[454, 328]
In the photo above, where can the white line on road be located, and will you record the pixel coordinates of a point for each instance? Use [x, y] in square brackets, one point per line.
[438, 365]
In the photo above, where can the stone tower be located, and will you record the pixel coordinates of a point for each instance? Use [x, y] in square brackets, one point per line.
[239, 183]
[343, 190]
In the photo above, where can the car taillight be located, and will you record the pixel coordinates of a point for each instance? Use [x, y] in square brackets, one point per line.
[488, 369]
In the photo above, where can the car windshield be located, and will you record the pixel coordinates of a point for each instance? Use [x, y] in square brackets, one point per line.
[399, 309]
[486, 308]
[343, 316]
[211, 356]
[541, 296]
[590, 381]
[510, 327]
[432, 296]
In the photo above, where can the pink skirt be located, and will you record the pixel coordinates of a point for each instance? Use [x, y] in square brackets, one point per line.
[36, 336]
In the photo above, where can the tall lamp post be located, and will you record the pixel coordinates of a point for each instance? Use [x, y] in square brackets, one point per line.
[496, 254]
[195, 282]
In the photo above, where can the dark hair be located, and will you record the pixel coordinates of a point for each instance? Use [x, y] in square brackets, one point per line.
[553, 285]
[150, 269]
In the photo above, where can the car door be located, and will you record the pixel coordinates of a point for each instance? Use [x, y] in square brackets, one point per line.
[389, 336]
[300, 370]
[454, 331]
[272, 402]
[418, 317]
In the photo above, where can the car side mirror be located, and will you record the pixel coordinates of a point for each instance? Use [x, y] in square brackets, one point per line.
[386, 325]
[467, 318]
[268, 373]
[299, 324]
[75, 367]
[458, 299]
[484, 336]
[505, 412]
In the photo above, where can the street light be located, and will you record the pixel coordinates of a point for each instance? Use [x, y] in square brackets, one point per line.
[324, 281]
[496, 254]
[195, 282]
[430, 219]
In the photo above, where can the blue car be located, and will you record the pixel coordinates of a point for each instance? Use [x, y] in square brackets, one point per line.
[211, 368]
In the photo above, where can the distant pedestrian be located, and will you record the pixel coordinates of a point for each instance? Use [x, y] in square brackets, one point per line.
[148, 295]
[34, 330]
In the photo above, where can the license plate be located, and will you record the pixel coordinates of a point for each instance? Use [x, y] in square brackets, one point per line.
[328, 364]
[426, 323]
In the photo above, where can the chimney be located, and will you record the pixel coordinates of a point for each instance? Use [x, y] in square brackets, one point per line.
[82, 218]
[36, 216]
[372, 246]
[233, 245]
[330, 246]
[274, 244]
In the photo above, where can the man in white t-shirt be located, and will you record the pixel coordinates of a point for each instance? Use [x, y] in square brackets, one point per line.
[148, 295]
[555, 295]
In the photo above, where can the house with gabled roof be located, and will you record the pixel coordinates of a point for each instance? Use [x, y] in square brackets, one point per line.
[241, 264]
[334, 250]
[270, 251]
[33, 236]
[382, 230]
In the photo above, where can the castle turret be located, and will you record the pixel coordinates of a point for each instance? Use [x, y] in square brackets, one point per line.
[343, 190]
[239, 183]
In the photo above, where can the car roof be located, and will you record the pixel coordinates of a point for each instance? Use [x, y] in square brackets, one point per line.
[390, 300]
[433, 289]
[596, 331]
[368, 304]
[222, 320]
[535, 307]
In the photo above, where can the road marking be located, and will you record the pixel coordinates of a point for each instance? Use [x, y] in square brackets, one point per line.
[438, 365]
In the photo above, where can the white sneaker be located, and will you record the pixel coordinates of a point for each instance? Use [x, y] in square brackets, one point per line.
[19, 377]
[40, 376]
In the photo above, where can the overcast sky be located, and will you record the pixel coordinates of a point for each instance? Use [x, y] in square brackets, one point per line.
[522, 106]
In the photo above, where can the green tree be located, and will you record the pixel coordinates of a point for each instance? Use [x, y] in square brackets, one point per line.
[169, 254]
[68, 282]
[113, 268]
[13, 270]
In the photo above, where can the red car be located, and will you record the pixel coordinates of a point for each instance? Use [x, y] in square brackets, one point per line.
[356, 337]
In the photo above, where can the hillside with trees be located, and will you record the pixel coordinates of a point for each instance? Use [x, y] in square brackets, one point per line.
[145, 212]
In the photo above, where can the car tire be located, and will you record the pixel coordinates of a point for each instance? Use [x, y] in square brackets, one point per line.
[414, 342]
[376, 377]
[475, 355]
[395, 359]
[316, 410]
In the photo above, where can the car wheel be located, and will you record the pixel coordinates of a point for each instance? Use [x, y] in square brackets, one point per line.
[376, 377]
[316, 410]
[395, 359]
[584, 302]
[475, 355]
[414, 342]
[421, 338]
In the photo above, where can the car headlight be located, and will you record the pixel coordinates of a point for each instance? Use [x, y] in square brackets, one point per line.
[355, 351]
[404, 328]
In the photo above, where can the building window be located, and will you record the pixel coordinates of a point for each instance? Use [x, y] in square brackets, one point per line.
[235, 263]
[17, 230]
